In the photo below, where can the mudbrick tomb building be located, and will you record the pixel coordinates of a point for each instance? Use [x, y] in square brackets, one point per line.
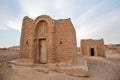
[91, 47]
[46, 40]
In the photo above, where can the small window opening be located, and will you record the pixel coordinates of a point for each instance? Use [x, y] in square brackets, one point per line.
[27, 42]
[60, 42]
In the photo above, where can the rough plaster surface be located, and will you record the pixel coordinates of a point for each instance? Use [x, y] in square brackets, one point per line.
[60, 39]
[97, 45]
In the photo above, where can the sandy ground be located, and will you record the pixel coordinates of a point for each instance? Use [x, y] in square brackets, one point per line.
[100, 69]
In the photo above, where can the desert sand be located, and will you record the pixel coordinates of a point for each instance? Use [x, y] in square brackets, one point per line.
[100, 68]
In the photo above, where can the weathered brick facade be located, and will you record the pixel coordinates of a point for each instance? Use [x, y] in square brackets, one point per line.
[55, 38]
[91, 47]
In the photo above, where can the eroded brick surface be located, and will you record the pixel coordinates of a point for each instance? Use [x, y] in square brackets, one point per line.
[60, 37]
[91, 47]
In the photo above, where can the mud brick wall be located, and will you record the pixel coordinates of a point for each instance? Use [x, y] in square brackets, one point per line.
[97, 45]
[60, 39]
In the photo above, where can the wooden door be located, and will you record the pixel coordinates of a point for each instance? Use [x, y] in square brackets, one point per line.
[43, 52]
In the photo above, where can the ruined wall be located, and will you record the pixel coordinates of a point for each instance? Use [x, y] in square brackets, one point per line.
[25, 37]
[60, 39]
[96, 45]
[65, 37]
[112, 48]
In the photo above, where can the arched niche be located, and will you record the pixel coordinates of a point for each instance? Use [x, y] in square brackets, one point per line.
[42, 29]
[48, 20]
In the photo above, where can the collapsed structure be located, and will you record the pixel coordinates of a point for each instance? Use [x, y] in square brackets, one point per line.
[46, 40]
[91, 47]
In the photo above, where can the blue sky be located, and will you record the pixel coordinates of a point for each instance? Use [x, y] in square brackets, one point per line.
[94, 19]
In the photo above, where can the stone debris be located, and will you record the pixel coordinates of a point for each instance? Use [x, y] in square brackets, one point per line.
[74, 71]
[21, 62]
[45, 70]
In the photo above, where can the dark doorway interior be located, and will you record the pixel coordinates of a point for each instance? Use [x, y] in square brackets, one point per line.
[92, 51]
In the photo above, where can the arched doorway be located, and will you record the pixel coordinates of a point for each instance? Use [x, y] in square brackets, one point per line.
[42, 28]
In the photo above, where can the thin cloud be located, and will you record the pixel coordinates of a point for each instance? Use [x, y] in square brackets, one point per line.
[32, 8]
[91, 18]
[15, 24]
[101, 27]
[5, 15]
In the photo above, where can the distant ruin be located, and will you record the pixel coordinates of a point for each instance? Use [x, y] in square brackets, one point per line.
[45, 40]
[90, 47]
